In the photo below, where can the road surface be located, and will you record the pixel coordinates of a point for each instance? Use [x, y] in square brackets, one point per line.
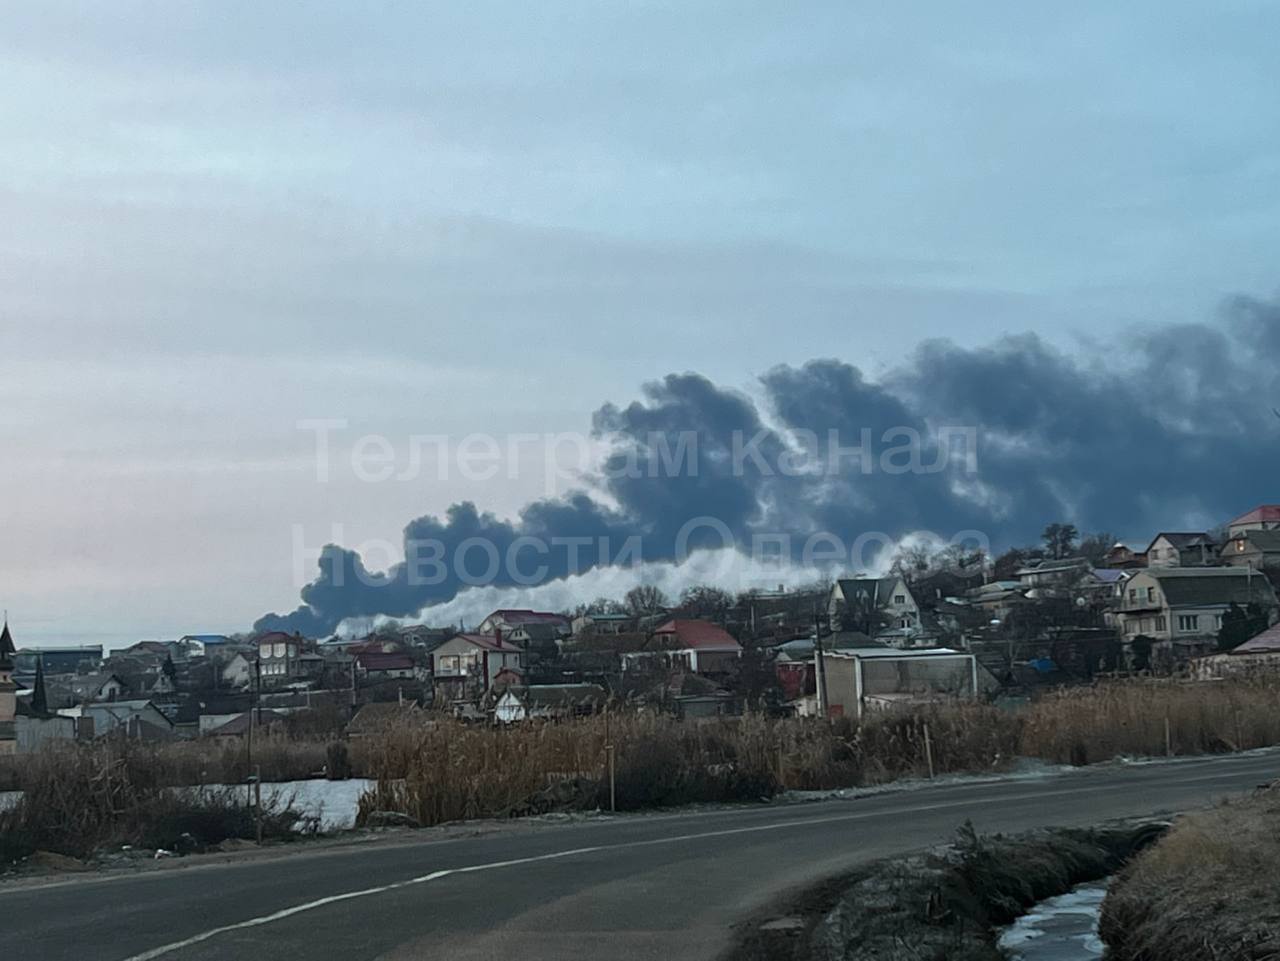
[662, 886]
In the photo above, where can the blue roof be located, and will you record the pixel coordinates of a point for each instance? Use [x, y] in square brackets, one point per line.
[207, 638]
[1107, 575]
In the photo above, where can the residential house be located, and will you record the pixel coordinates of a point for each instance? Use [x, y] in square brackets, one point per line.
[1255, 548]
[238, 725]
[876, 604]
[380, 666]
[1181, 608]
[509, 619]
[465, 665]
[200, 645]
[282, 660]
[87, 688]
[376, 719]
[997, 598]
[695, 645]
[1054, 573]
[57, 660]
[877, 678]
[1263, 518]
[1122, 557]
[1181, 549]
[238, 674]
[138, 719]
[710, 704]
[549, 701]
[601, 624]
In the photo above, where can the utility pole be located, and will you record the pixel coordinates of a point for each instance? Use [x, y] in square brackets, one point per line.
[249, 759]
[819, 665]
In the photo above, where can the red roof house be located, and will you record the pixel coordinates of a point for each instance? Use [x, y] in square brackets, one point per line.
[1263, 518]
[699, 645]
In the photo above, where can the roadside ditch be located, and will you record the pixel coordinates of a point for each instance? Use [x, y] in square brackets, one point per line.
[946, 904]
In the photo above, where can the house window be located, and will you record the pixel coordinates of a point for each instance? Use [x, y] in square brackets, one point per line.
[1188, 622]
[899, 599]
[1151, 593]
[1162, 623]
[1218, 622]
[449, 664]
[1133, 594]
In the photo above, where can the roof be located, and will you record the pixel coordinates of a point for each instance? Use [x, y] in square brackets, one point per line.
[1263, 514]
[206, 638]
[540, 630]
[1183, 539]
[876, 589]
[1049, 565]
[1110, 575]
[893, 653]
[379, 715]
[89, 685]
[240, 723]
[372, 661]
[698, 635]
[552, 695]
[516, 616]
[1200, 586]
[1262, 540]
[1268, 642]
[488, 642]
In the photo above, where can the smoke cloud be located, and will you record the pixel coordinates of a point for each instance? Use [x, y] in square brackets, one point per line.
[1175, 428]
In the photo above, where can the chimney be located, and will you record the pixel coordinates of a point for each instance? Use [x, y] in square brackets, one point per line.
[497, 635]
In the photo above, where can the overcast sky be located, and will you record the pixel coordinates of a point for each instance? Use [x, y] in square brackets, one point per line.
[219, 218]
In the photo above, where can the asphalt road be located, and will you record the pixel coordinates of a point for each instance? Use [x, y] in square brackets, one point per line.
[664, 887]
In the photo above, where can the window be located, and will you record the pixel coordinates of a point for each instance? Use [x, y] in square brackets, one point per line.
[1218, 622]
[899, 599]
[449, 664]
[1188, 622]
[1151, 593]
[1162, 623]
[1133, 593]
[279, 650]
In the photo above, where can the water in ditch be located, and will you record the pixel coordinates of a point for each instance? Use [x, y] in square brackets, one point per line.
[1064, 928]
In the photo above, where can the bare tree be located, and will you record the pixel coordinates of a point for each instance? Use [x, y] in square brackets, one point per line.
[645, 599]
[703, 599]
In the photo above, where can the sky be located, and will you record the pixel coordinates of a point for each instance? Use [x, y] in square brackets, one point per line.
[220, 219]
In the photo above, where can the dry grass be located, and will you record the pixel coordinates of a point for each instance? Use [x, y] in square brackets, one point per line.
[437, 769]
[1208, 890]
[79, 798]
[440, 770]
[1086, 725]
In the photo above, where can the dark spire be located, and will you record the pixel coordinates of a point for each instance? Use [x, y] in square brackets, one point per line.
[39, 700]
[6, 648]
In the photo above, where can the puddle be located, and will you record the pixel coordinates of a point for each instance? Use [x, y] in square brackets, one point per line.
[1064, 928]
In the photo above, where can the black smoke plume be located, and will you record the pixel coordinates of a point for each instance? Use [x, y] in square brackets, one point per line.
[1176, 427]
